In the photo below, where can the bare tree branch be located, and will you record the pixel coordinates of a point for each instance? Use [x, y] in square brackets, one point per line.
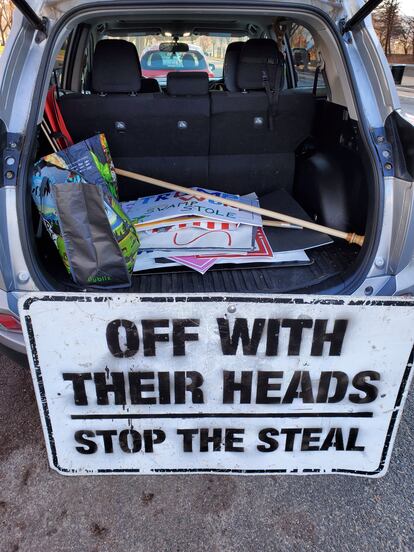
[387, 21]
[6, 15]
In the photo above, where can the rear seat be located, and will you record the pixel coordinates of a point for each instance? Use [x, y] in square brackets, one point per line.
[219, 140]
[171, 141]
[245, 154]
[115, 84]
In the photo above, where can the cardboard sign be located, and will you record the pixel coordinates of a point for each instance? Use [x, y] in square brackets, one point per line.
[170, 205]
[210, 384]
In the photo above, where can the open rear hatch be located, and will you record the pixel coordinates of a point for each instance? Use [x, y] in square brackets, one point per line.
[268, 125]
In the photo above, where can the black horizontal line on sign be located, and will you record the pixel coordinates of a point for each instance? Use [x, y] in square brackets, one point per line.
[222, 415]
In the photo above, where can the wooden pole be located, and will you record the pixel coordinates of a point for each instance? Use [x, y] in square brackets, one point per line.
[280, 224]
[49, 138]
[348, 236]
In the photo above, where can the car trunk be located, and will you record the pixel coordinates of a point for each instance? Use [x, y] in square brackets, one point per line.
[331, 181]
[317, 154]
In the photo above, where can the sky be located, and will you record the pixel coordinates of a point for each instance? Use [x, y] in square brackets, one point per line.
[407, 6]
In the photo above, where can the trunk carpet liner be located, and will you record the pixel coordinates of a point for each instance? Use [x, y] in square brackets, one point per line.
[328, 261]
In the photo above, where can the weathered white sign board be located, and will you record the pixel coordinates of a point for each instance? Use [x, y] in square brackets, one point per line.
[210, 384]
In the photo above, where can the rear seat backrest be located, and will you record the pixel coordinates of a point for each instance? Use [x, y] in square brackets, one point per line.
[245, 154]
[161, 135]
[116, 84]
[111, 108]
[186, 136]
[175, 131]
[115, 106]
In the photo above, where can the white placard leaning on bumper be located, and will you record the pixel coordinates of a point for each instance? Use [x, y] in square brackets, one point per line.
[236, 384]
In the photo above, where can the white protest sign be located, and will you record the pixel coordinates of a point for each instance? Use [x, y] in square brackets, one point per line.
[176, 204]
[219, 384]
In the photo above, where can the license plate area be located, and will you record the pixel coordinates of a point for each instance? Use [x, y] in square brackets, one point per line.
[212, 384]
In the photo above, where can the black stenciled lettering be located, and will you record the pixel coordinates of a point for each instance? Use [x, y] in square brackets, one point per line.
[113, 338]
[263, 387]
[164, 387]
[107, 435]
[135, 437]
[181, 386]
[324, 385]
[229, 345]
[206, 438]
[149, 337]
[153, 437]
[360, 383]
[272, 342]
[230, 386]
[333, 439]
[295, 336]
[267, 436]
[352, 439]
[180, 336]
[290, 437]
[231, 438]
[78, 384]
[308, 438]
[136, 387]
[303, 381]
[89, 447]
[102, 387]
[187, 438]
[335, 338]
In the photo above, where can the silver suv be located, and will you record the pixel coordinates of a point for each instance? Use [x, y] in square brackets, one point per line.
[299, 367]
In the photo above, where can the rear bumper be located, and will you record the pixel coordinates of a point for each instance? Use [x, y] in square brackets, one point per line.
[13, 341]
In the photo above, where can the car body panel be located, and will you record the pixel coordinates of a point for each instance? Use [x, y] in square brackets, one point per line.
[334, 8]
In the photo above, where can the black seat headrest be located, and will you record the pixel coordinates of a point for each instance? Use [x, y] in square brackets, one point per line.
[116, 67]
[231, 61]
[189, 83]
[150, 86]
[260, 58]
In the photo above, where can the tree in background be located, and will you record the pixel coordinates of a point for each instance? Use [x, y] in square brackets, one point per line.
[387, 22]
[406, 37]
[6, 14]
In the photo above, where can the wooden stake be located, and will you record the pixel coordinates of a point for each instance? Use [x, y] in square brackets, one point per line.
[348, 236]
[52, 142]
[280, 224]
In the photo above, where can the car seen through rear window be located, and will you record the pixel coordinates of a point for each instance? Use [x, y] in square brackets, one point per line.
[157, 64]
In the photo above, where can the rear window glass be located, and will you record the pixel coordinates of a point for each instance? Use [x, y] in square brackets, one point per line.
[305, 58]
[205, 53]
[154, 60]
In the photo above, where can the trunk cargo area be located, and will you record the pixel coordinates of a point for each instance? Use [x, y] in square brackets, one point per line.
[234, 141]
[327, 262]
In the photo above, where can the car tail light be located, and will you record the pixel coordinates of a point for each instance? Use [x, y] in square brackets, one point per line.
[10, 323]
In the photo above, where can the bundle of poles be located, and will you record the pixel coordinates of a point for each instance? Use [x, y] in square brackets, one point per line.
[277, 219]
